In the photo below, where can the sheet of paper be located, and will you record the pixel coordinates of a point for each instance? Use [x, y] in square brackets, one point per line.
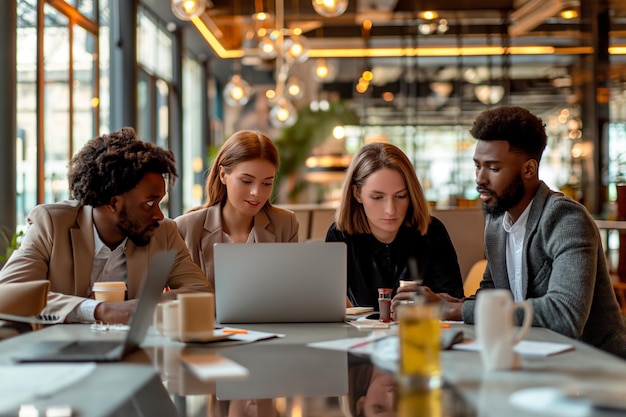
[525, 347]
[221, 337]
[208, 366]
[21, 384]
[244, 335]
[362, 345]
[364, 323]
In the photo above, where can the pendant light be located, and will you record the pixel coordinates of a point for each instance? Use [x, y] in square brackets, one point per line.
[188, 9]
[283, 114]
[330, 8]
[237, 91]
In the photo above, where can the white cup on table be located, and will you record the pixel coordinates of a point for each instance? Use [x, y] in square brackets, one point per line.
[496, 333]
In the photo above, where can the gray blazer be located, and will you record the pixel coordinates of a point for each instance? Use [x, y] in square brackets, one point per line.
[202, 228]
[565, 276]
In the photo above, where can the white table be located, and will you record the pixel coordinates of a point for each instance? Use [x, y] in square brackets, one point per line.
[136, 383]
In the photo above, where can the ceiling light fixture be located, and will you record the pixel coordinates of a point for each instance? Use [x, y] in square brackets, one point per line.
[296, 48]
[569, 14]
[428, 15]
[267, 47]
[330, 8]
[324, 71]
[294, 88]
[283, 114]
[188, 9]
[237, 91]
[489, 94]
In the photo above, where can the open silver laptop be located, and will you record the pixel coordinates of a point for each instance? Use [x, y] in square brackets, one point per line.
[280, 282]
[107, 351]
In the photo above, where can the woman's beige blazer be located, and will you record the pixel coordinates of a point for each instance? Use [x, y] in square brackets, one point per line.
[202, 228]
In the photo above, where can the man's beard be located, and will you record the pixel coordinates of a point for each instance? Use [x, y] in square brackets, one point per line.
[512, 195]
[131, 229]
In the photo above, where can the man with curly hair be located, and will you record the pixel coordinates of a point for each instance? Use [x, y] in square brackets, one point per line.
[108, 232]
[542, 246]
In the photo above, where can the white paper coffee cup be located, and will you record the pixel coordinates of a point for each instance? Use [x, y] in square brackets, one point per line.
[113, 291]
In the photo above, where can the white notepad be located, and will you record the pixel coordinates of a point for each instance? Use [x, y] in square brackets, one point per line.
[524, 348]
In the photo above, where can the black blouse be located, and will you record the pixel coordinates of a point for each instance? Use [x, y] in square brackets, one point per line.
[373, 264]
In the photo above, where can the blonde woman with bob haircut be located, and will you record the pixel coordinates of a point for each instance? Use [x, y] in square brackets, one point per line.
[237, 207]
[385, 220]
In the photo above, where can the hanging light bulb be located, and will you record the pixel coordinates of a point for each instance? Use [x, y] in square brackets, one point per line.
[294, 88]
[489, 94]
[297, 48]
[237, 91]
[267, 47]
[324, 71]
[283, 114]
[188, 9]
[330, 8]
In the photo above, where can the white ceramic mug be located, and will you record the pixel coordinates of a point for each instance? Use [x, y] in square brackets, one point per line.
[495, 332]
[158, 318]
[196, 316]
[170, 320]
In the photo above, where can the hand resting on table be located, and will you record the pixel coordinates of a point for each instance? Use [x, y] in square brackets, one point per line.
[115, 313]
[452, 307]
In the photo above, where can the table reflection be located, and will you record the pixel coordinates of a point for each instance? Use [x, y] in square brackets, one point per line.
[296, 380]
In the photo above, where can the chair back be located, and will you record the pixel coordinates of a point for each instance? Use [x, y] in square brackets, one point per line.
[473, 278]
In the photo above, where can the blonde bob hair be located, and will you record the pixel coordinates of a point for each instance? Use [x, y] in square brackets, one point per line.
[350, 216]
[242, 146]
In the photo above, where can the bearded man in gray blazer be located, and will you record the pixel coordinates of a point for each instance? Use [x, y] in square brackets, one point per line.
[109, 233]
[541, 245]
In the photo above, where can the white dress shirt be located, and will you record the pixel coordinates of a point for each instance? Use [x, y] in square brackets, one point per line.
[108, 265]
[514, 248]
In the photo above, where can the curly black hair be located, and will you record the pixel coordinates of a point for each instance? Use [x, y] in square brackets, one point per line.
[113, 164]
[524, 131]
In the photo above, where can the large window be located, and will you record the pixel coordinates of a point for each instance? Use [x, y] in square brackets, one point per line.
[56, 122]
[194, 157]
[154, 55]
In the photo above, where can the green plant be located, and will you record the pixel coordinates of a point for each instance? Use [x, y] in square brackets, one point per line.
[296, 142]
[9, 242]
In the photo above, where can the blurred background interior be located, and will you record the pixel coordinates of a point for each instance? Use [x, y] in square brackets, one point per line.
[321, 77]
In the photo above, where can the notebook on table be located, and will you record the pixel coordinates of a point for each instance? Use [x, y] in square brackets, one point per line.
[108, 351]
[280, 282]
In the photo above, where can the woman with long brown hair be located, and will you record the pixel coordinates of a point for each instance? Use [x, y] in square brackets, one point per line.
[237, 207]
[385, 220]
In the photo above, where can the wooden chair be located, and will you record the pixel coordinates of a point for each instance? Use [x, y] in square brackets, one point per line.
[473, 278]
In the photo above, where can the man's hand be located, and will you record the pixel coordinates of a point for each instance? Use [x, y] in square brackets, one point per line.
[452, 305]
[115, 313]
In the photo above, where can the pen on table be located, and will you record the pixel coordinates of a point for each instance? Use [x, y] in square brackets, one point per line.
[235, 331]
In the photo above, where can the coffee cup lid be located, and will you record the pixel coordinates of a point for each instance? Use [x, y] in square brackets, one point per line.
[109, 285]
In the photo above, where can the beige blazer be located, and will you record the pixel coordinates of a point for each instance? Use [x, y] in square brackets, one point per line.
[59, 246]
[202, 228]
